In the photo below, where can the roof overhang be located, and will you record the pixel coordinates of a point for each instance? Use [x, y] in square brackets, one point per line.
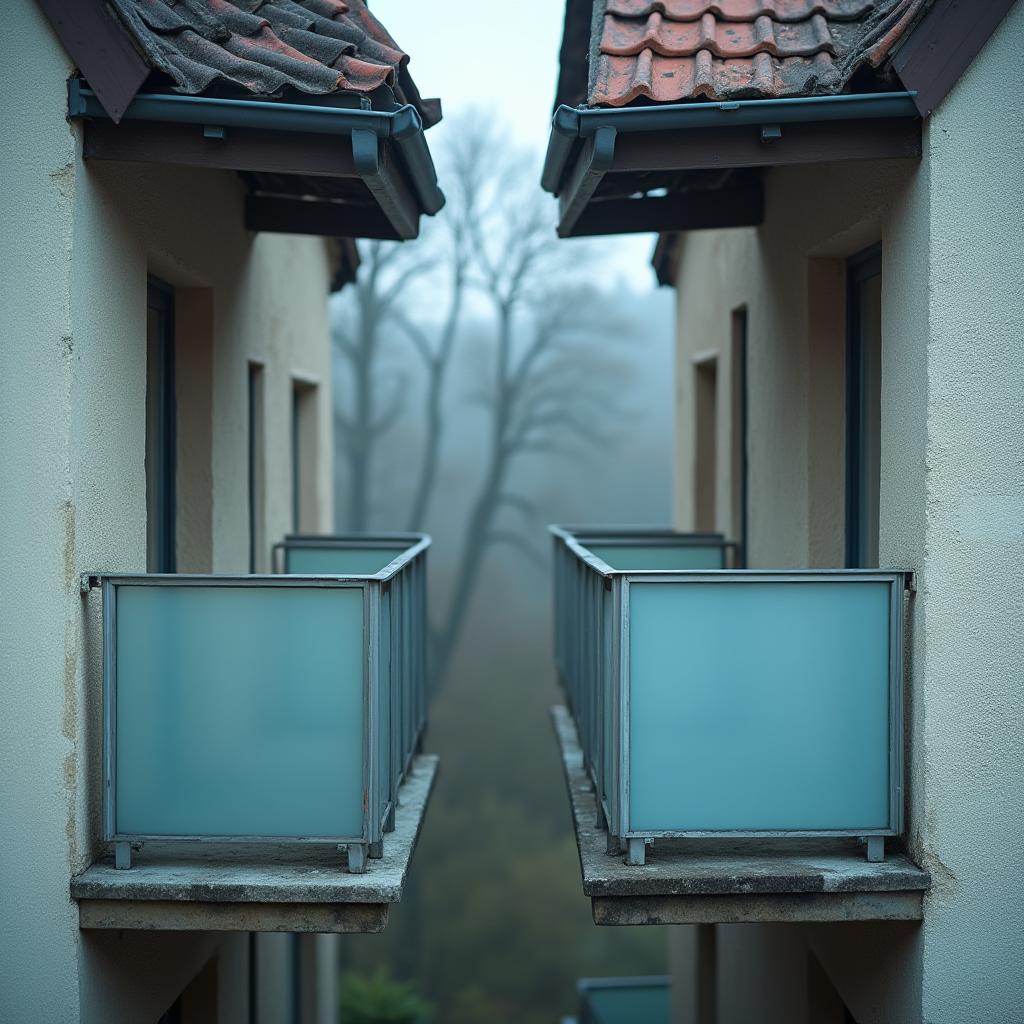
[311, 168]
[604, 164]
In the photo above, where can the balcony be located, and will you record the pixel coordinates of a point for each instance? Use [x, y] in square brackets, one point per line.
[254, 728]
[742, 730]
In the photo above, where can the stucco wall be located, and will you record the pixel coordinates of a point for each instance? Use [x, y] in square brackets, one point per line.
[952, 500]
[77, 244]
[973, 821]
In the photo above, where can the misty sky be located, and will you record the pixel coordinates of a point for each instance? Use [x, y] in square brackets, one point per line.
[502, 58]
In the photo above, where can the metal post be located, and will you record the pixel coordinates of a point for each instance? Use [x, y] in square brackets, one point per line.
[376, 850]
[122, 856]
[636, 850]
[876, 849]
[357, 858]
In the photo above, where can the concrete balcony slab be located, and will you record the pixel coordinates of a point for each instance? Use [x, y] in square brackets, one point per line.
[260, 888]
[711, 881]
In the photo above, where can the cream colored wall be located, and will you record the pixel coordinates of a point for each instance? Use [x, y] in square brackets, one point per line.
[794, 353]
[952, 499]
[76, 245]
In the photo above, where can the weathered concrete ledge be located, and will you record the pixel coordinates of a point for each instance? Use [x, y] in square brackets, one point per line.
[703, 881]
[297, 888]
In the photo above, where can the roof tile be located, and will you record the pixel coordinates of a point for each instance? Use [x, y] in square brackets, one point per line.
[312, 46]
[673, 50]
[628, 36]
[743, 10]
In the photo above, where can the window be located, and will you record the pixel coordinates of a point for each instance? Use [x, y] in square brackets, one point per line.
[256, 471]
[161, 429]
[705, 457]
[304, 457]
[738, 364]
[863, 405]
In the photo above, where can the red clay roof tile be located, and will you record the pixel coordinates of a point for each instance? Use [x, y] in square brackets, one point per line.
[673, 50]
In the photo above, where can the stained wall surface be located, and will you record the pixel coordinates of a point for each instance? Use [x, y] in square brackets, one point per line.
[77, 243]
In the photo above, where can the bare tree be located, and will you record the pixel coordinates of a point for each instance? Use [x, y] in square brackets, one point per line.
[537, 320]
[535, 398]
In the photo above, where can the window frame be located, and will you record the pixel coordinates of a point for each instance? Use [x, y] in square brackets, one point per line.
[162, 519]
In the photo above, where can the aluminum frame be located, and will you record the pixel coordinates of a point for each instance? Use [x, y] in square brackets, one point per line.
[574, 559]
[110, 585]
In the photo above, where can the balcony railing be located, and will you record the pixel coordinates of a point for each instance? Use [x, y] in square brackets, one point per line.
[714, 702]
[276, 709]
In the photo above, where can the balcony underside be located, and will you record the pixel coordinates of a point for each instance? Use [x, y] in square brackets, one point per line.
[265, 888]
[704, 881]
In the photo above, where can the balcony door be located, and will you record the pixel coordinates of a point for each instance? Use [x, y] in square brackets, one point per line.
[161, 430]
[863, 406]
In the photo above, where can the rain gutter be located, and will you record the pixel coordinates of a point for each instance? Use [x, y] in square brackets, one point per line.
[573, 126]
[367, 128]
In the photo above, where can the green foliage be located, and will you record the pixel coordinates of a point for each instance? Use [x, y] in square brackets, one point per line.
[376, 999]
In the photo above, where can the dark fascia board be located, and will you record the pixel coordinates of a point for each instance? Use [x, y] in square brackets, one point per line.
[388, 149]
[101, 48]
[576, 161]
[665, 258]
[346, 262]
[942, 46]
[573, 59]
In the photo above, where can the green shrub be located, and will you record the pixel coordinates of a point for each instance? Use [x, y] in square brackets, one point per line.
[377, 999]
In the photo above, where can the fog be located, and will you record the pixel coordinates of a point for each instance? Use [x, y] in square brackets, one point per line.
[494, 924]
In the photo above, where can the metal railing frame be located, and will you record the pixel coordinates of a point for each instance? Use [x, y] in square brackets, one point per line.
[591, 602]
[394, 618]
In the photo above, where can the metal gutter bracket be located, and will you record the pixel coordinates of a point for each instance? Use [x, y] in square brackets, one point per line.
[593, 164]
[372, 168]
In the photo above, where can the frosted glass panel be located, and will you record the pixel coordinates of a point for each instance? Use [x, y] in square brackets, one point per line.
[759, 706]
[330, 561]
[629, 1005]
[660, 556]
[239, 711]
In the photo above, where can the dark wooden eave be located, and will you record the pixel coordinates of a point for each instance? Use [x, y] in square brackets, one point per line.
[321, 170]
[604, 164]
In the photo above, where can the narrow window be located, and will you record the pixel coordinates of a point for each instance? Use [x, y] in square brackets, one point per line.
[304, 457]
[257, 448]
[863, 405]
[705, 461]
[161, 429]
[739, 433]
